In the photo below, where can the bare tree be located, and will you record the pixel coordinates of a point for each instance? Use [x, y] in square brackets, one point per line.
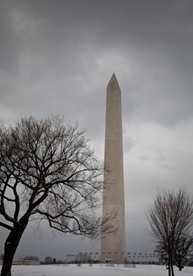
[170, 219]
[47, 171]
[183, 250]
[48, 260]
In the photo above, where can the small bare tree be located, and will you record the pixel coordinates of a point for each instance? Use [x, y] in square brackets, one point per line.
[47, 171]
[183, 250]
[170, 219]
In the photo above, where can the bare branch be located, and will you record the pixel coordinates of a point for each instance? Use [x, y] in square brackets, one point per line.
[171, 221]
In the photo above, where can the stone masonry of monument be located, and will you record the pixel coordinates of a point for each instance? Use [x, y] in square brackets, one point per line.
[113, 245]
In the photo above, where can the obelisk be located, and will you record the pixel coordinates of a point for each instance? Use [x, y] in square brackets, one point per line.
[113, 244]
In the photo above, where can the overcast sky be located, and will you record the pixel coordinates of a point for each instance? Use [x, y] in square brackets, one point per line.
[57, 57]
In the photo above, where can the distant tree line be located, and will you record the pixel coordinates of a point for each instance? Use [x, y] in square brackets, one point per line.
[34, 258]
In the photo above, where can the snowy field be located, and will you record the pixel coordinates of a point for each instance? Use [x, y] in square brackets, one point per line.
[95, 270]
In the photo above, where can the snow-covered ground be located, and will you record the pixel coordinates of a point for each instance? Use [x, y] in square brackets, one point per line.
[96, 270]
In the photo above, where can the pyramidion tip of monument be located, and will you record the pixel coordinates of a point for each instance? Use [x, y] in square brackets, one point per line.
[113, 78]
[113, 83]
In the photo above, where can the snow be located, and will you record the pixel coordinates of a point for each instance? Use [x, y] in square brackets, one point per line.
[96, 270]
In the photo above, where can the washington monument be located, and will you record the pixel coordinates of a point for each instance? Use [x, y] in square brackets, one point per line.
[113, 245]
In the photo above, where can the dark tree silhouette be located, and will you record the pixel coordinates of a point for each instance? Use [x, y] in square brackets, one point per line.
[183, 250]
[182, 253]
[170, 219]
[49, 260]
[47, 171]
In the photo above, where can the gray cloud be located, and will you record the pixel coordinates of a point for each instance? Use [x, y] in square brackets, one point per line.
[56, 57]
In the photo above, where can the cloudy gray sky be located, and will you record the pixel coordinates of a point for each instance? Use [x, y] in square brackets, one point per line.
[56, 57]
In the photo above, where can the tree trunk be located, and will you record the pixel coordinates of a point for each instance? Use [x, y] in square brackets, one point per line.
[171, 265]
[180, 265]
[11, 245]
[169, 269]
[172, 269]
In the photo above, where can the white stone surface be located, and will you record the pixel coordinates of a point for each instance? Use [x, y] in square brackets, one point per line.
[113, 245]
